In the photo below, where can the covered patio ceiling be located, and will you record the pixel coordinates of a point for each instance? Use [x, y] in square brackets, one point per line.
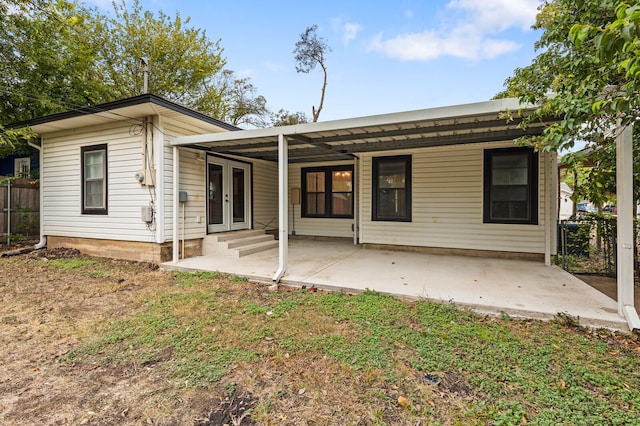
[344, 139]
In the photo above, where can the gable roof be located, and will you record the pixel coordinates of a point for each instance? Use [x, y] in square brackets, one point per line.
[343, 139]
[123, 109]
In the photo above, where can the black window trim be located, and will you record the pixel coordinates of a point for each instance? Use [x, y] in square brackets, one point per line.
[533, 185]
[101, 210]
[328, 170]
[408, 199]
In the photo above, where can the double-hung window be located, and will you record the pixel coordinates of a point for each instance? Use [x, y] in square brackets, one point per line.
[94, 179]
[392, 188]
[327, 191]
[22, 167]
[511, 186]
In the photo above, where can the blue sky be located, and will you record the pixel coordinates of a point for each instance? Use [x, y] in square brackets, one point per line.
[387, 56]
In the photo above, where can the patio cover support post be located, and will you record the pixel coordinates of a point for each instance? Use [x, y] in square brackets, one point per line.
[176, 203]
[554, 200]
[356, 200]
[548, 200]
[624, 196]
[283, 207]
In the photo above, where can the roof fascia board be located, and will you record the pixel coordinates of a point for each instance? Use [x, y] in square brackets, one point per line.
[122, 103]
[482, 137]
[480, 108]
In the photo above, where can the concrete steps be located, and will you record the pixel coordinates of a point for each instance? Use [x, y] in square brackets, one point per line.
[238, 243]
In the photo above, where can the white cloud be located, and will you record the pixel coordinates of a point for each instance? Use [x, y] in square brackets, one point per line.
[499, 14]
[473, 31]
[350, 31]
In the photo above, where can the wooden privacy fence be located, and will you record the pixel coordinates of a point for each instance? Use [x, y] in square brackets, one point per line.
[19, 209]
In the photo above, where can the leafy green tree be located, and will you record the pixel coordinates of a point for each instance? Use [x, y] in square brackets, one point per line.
[286, 118]
[310, 51]
[242, 105]
[183, 62]
[574, 80]
[617, 44]
[12, 141]
[59, 55]
[46, 59]
[47, 64]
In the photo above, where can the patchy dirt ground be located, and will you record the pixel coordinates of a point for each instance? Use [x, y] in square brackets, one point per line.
[44, 316]
[607, 285]
[48, 311]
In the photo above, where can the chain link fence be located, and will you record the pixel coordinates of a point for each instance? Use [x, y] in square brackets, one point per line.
[587, 245]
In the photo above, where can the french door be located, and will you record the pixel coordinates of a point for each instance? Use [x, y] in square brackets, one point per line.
[228, 195]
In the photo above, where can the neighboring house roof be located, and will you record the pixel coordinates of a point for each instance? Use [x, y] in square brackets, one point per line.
[587, 153]
[123, 109]
[342, 139]
[565, 188]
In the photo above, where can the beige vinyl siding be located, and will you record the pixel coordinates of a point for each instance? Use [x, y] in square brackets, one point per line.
[62, 186]
[322, 227]
[192, 180]
[167, 190]
[265, 195]
[447, 204]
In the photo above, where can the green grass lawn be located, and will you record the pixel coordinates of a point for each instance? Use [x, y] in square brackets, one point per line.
[387, 360]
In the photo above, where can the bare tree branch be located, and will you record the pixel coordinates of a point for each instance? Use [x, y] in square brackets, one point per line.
[310, 51]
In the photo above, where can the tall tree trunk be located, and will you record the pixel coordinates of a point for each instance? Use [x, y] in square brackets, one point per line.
[316, 113]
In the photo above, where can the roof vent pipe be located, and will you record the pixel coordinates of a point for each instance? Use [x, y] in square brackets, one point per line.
[145, 71]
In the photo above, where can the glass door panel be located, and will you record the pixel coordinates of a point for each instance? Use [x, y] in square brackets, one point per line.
[215, 188]
[239, 214]
[228, 195]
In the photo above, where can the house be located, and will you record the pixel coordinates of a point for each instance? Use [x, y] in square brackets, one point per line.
[566, 203]
[127, 178]
[20, 165]
[106, 176]
[144, 178]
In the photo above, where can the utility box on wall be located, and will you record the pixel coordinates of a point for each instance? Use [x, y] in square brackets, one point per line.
[183, 196]
[294, 196]
[146, 214]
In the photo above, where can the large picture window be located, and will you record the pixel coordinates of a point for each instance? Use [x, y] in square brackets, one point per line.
[392, 188]
[94, 179]
[511, 186]
[327, 191]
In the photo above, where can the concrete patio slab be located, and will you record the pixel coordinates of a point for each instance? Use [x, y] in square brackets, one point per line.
[516, 287]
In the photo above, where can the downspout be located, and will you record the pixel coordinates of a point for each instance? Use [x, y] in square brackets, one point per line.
[283, 207]
[43, 239]
[176, 203]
